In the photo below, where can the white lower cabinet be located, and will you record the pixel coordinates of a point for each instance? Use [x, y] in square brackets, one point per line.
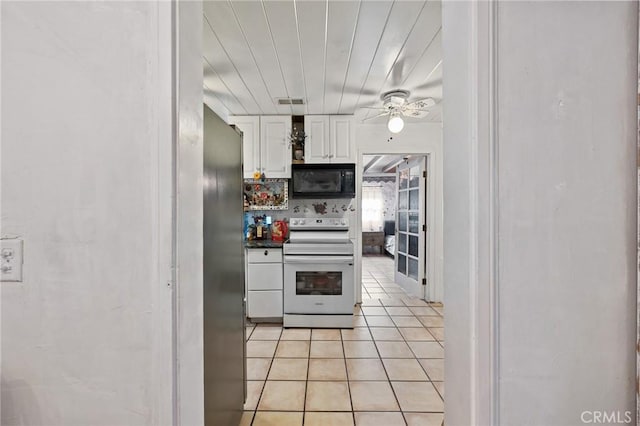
[264, 276]
[264, 283]
[264, 304]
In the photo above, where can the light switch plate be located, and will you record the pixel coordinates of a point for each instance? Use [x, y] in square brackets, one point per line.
[11, 259]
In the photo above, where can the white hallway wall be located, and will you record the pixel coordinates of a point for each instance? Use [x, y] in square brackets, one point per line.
[566, 217]
[86, 182]
[567, 187]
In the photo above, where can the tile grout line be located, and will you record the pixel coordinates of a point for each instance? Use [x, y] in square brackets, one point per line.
[306, 383]
[417, 358]
[404, 339]
[255, 412]
[406, 342]
[253, 416]
[422, 366]
[384, 367]
[346, 371]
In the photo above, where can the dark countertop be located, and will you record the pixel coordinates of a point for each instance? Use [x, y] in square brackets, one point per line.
[263, 244]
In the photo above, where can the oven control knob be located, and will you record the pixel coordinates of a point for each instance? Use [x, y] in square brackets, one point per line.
[343, 222]
[294, 222]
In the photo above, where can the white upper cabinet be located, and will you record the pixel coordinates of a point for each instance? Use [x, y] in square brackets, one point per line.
[275, 149]
[265, 144]
[316, 127]
[330, 139]
[342, 140]
[250, 127]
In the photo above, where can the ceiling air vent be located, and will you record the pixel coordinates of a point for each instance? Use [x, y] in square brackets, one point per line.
[290, 101]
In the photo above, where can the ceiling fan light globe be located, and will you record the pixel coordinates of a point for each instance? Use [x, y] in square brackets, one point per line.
[395, 124]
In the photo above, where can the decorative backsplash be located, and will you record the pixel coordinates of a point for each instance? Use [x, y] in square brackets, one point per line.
[302, 208]
[272, 194]
[268, 194]
[267, 201]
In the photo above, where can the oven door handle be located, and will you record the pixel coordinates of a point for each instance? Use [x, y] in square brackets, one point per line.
[318, 259]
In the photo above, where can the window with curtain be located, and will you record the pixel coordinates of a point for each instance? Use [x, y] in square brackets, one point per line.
[372, 206]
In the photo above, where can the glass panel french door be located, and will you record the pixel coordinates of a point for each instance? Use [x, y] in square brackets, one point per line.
[410, 259]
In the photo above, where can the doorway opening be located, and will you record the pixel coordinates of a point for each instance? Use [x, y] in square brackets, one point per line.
[396, 244]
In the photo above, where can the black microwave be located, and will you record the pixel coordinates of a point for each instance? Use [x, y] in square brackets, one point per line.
[323, 180]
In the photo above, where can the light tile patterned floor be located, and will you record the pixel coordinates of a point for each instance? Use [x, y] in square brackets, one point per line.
[387, 371]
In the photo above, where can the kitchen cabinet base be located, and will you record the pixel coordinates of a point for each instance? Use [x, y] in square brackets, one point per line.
[265, 320]
[318, 321]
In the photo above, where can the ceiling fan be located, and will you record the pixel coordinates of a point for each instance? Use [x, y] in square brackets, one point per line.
[395, 104]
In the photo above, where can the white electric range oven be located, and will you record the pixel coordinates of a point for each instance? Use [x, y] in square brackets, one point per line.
[319, 287]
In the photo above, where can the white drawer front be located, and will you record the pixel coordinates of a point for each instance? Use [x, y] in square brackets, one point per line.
[264, 276]
[265, 255]
[263, 304]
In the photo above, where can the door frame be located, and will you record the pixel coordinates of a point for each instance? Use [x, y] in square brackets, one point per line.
[433, 243]
[470, 57]
[469, 37]
[184, 181]
[470, 145]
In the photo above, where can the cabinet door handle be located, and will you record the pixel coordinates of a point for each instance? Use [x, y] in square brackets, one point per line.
[266, 252]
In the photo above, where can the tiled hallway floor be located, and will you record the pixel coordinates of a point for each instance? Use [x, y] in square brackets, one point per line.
[387, 371]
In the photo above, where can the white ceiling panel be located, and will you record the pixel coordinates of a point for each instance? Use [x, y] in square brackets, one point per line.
[378, 165]
[312, 33]
[402, 20]
[423, 74]
[215, 103]
[225, 25]
[252, 19]
[282, 23]
[217, 58]
[215, 89]
[342, 24]
[370, 26]
[339, 56]
[427, 28]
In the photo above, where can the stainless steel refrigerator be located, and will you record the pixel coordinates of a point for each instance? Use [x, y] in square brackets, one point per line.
[224, 342]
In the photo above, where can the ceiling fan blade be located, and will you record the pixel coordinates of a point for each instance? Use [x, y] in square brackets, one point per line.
[363, 91]
[376, 116]
[397, 72]
[375, 104]
[430, 84]
[420, 104]
[415, 113]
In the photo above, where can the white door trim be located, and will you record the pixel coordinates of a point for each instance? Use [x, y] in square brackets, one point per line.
[471, 199]
[638, 245]
[187, 213]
